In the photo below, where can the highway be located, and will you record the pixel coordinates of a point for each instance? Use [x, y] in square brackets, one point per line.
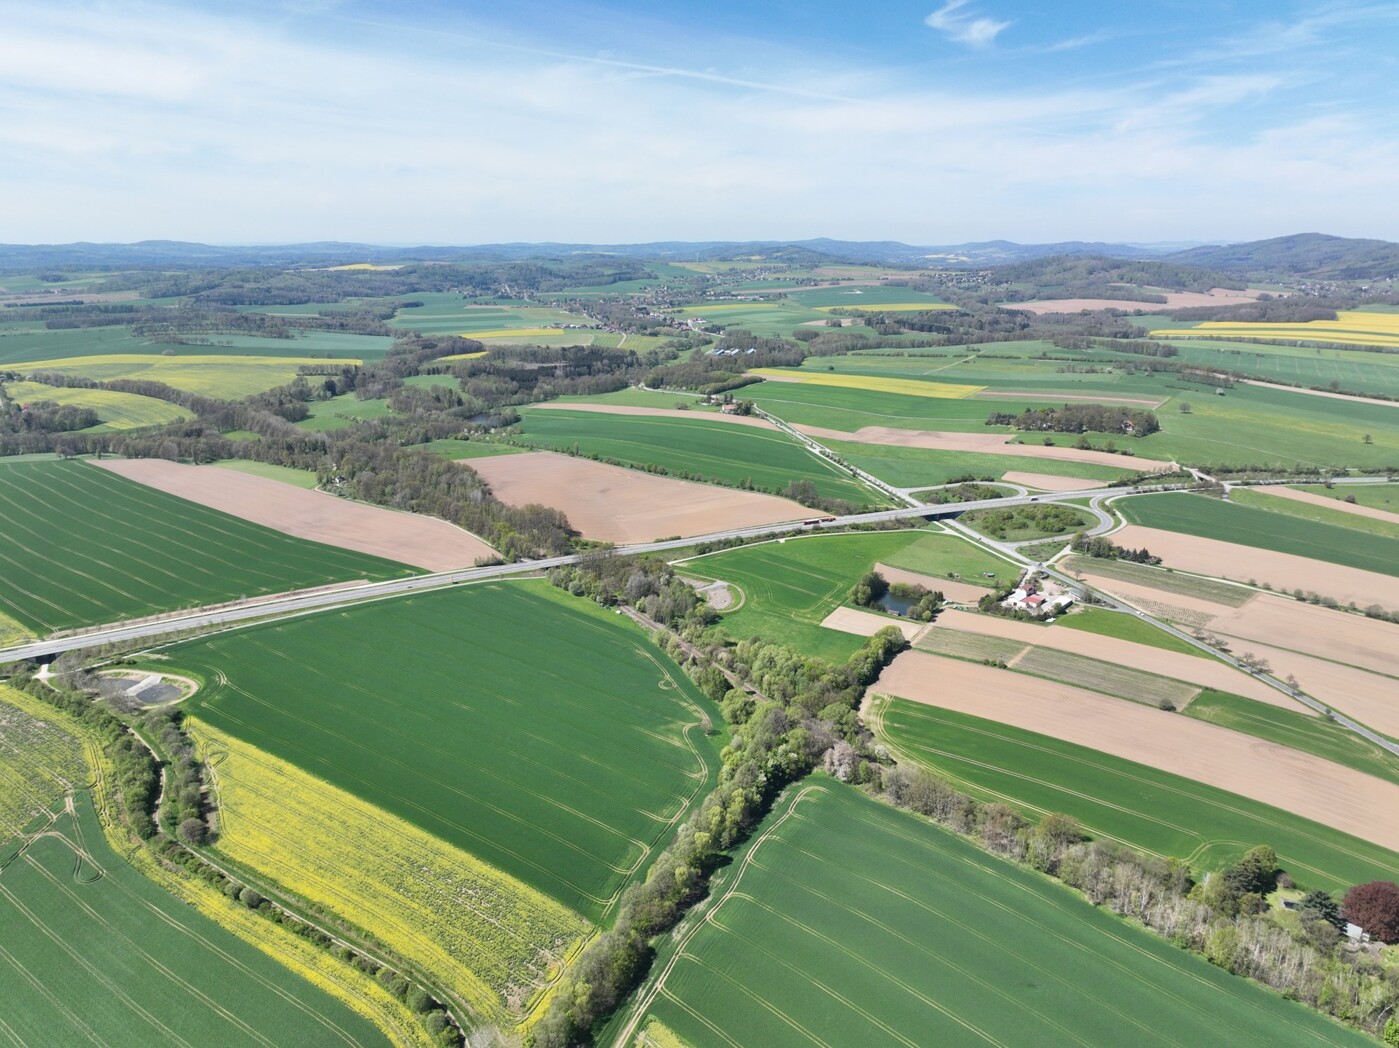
[302, 603]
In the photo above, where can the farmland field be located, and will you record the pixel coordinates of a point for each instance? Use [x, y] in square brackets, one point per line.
[1337, 515]
[564, 771]
[71, 555]
[1143, 807]
[704, 449]
[1351, 327]
[1126, 627]
[344, 410]
[955, 947]
[39, 762]
[875, 383]
[1263, 529]
[220, 377]
[912, 467]
[1097, 675]
[94, 952]
[301, 478]
[457, 450]
[1185, 585]
[1373, 496]
[975, 646]
[39, 345]
[117, 411]
[1319, 735]
[476, 930]
[789, 587]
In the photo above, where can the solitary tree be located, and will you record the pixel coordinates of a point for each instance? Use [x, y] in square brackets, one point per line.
[1375, 907]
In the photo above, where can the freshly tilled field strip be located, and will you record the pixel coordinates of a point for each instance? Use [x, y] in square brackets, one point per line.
[530, 729]
[82, 546]
[928, 940]
[941, 641]
[491, 938]
[1146, 808]
[1096, 675]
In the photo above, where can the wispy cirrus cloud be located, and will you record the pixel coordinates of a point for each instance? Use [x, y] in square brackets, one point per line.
[964, 27]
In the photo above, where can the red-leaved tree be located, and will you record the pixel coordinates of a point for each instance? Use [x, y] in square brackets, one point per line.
[1375, 907]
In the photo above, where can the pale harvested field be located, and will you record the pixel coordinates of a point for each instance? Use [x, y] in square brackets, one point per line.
[408, 538]
[1336, 635]
[1175, 607]
[1368, 697]
[867, 623]
[613, 504]
[950, 588]
[1174, 300]
[986, 443]
[1308, 786]
[1050, 482]
[622, 409]
[1313, 499]
[1282, 571]
[1208, 673]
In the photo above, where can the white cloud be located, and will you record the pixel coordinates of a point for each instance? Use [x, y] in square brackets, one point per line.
[962, 27]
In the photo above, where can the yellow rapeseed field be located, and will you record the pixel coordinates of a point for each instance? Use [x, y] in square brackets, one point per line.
[496, 941]
[1351, 327]
[910, 387]
[889, 307]
[361, 265]
[39, 761]
[506, 333]
[723, 307]
[222, 377]
[116, 410]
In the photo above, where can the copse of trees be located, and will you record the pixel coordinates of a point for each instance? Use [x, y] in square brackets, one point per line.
[1105, 549]
[1080, 418]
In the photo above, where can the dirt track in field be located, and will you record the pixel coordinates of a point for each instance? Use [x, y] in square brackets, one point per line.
[1336, 635]
[623, 409]
[1313, 499]
[408, 538]
[950, 588]
[1208, 673]
[1050, 481]
[613, 504]
[984, 443]
[1316, 789]
[867, 623]
[1282, 571]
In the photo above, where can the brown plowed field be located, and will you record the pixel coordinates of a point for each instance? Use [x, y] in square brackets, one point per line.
[1313, 499]
[1208, 673]
[1335, 635]
[985, 443]
[1316, 789]
[950, 588]
[1282, 571]
[1176, 607]
[867, 623]
[1050, 482]
[408, 538]
[612, 504]
[623, 409]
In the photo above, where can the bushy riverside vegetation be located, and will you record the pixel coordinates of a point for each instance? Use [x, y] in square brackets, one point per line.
[788, 713]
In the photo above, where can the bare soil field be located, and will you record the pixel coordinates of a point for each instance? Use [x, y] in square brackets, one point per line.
[622, 409]
[1316, 789]
[1313, 499]
[1208, 673]
[613, 504]
[1368, 697]
[867, 623]
[986, 443]
[1050, 482]
[1282, 571]
[963, 592]
[1335, 635]
[1174, 300]
[408, 538]
[1175, 607]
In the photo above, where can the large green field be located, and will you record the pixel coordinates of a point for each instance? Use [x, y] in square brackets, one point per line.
[343, 411]
[1250, 526]
[1375, 496]
[708, 449]
[534, 730]
[928, 940]
[93, 952]
[117, 411]
[30, 344]
[1148, 809]
[83, 546]
[919, 467]
[788, 587]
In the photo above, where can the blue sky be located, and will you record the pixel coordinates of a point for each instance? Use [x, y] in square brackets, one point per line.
[533, 120]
